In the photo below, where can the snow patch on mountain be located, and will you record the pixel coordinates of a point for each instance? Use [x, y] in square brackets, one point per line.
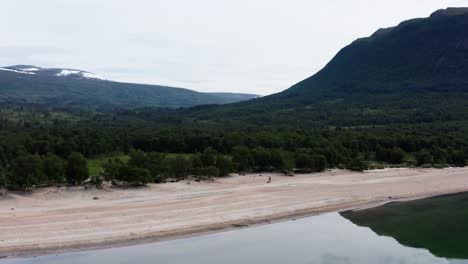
[23, 72]
[30, 69]
[87, 75]
[52, 72]
[91, 76]
[67, 72]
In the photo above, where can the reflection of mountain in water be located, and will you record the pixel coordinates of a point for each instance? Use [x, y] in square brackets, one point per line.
[437, 224]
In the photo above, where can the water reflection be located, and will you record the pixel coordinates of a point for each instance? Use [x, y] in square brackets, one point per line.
[439, 225]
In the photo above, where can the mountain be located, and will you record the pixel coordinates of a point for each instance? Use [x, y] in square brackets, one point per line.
[412, 73]
[236, 96]
[71, 88]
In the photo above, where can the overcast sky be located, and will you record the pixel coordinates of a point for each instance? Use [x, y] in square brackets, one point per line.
[253, 46]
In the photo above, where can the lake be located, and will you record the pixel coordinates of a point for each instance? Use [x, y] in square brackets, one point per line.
[428, 231]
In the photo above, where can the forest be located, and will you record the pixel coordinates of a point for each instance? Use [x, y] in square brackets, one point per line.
[41, 148]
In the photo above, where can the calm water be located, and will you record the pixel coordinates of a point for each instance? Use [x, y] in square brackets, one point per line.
[428, 231]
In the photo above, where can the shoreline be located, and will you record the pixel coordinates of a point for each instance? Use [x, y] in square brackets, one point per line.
[390, 180]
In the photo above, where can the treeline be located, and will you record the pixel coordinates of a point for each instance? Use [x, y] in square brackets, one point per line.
[35, 154]
[33, 170]
[143, 168]
[156, 167]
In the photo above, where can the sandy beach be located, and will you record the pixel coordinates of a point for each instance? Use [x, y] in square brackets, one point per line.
[55, 220]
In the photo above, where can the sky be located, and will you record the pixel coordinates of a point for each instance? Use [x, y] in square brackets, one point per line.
[249, 46]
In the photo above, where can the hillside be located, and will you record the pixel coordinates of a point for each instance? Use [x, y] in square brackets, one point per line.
[69, 88]
[412, 73]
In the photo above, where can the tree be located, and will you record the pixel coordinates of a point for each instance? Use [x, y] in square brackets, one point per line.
[320, 162]
[357, 164]
[3, 181]
[397, 155]
[242, 158]
[382, 154]
[154, 160]
[138, 158]
[181, 166]
[458, 158]
[111, 169]
[424, 157]
[261, 158]
[208, 157]
[304, 161]
[26, 172]
[439, 156]
[224, 165]
[288, 163]
[276, 158]
[77, 169]
[54, 168]
[177, 166]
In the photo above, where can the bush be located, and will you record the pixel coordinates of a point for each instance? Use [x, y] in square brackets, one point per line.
[210, 171]
[134, 175]
[97, 181]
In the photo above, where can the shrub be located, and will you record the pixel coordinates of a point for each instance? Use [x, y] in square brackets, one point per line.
[134, 175]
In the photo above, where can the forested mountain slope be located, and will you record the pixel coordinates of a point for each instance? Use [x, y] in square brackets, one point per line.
[69, 88]
[414, 72]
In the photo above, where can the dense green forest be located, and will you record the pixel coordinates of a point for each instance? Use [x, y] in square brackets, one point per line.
[40, 148]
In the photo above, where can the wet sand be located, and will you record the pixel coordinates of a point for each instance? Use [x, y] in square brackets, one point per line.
[55, 220]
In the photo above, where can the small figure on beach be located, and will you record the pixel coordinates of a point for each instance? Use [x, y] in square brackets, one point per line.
[269, 179]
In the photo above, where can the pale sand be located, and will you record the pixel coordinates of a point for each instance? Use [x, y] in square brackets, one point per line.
[52, 220]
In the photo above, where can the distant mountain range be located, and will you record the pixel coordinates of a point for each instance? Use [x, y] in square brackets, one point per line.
[412, 73]
[71, 88]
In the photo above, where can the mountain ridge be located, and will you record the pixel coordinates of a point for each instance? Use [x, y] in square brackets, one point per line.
[73, 88]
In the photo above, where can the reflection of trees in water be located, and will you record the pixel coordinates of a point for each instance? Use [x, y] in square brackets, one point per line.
[439, 224]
